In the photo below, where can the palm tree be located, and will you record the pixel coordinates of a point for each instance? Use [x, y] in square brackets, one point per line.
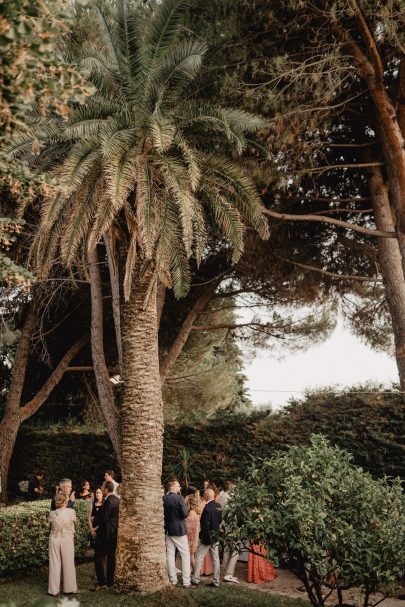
[145, 162]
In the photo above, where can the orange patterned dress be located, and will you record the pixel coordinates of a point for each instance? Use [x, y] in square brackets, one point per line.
[260, 570]
[193, 530]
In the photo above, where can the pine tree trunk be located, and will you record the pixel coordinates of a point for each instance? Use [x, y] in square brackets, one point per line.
[391, 267]
[141, 562]
[108, 408]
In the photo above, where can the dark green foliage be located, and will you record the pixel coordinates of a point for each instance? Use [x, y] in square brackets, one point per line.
[24, 533]
[331, 523]
[371, 427]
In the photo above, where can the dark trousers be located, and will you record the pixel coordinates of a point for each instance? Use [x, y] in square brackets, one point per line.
[105, 550]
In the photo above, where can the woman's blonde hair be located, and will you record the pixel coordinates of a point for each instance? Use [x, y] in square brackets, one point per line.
[60, 500]
[194, 503]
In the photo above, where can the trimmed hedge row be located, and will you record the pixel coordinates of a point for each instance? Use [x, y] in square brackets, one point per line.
[24, 535]
[371, 427]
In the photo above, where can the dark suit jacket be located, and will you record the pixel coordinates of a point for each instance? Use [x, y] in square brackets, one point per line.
[108, 517]
[210, 522]
[175, 512]
[70, 504]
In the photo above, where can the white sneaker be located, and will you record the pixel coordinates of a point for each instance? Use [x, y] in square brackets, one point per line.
[231, 578]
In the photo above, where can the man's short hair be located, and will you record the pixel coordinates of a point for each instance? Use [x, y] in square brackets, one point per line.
[109, 486]
[39, 473]
[228, 485]
[172, 482]
[110, 473]
[65, 481]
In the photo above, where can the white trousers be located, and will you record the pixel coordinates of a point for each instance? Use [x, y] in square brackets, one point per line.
[229, 561]
[61, 558]
[181, 543]
[199, 557]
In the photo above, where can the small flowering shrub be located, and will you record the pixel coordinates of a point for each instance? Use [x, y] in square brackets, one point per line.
[24, 534]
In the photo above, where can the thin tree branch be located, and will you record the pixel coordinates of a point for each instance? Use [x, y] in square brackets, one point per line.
[336, 222]
[35, 403]
[368, 38]
[332, 274]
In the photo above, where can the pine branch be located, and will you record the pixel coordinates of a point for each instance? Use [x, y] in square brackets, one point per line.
[330, 220]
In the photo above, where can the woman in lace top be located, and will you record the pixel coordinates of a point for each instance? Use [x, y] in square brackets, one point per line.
[61, 548]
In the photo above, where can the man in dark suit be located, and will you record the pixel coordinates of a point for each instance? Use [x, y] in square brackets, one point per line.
[106, 538]
[210, 523]
[176, 533]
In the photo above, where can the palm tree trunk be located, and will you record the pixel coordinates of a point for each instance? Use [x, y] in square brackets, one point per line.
[141, 562]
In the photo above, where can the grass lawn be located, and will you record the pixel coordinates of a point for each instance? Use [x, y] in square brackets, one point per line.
[31, 591]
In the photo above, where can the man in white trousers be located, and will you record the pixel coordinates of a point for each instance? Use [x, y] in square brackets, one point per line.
[175, 511]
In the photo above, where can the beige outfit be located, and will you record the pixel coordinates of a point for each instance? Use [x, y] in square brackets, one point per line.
[62, 551]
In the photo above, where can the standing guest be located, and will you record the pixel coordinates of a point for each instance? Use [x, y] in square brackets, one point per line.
[110, 477]
[85, 493]
[190, 491]
[36, 486]
[65, 488]
[175, 512]
[210, 524]
[260, 570]
[193, 525]
[61, 547]
[106, 537]
[230, 558]
[206, 482]
[94, 512]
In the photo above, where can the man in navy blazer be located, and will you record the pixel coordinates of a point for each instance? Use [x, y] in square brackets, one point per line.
[175, 512]
[210, 523]
[106, 538]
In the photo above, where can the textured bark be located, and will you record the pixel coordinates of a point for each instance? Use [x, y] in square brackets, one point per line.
[108, 408]
[169, 360]
[141, 562]
[391, 267]
[115, 293]
[160, 301]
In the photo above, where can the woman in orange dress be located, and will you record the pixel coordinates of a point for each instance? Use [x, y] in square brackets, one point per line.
[193, 526]
[260, 570]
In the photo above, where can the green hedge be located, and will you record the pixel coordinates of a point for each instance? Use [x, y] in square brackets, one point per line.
[24, 535]
[371, 427]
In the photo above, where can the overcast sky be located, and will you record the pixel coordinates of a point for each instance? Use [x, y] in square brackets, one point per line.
[342, 360]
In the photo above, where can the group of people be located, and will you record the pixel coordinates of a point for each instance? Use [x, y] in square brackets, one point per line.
[103, 528]
[193, 525]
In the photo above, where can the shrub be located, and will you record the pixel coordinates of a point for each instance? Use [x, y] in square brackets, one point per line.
[24, 534]
[332, 524]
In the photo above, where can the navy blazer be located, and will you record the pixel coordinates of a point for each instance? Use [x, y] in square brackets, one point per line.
[175, 514]
[210, 523]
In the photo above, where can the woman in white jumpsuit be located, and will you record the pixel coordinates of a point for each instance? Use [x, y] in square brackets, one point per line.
[61, 548]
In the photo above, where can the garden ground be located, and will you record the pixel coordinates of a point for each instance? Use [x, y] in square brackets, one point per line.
[30, 591]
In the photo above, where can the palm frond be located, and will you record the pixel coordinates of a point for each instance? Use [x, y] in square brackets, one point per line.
[146, 207]
[106, 28]
[164, 28]
[82, 213]
[116, 141]
[129, 39]
[229, 221]
[177, 184]
[120, 178]
[79, 164]
[243, 190]
[193, 160]
[163, 131]
[200, 232]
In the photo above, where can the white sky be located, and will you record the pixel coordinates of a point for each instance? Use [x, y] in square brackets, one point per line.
[342, 360]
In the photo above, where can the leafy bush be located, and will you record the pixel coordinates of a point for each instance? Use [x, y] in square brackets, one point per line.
[332, 524]
[24, 534]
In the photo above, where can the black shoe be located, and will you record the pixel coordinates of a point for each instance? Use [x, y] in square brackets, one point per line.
[212, 585]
